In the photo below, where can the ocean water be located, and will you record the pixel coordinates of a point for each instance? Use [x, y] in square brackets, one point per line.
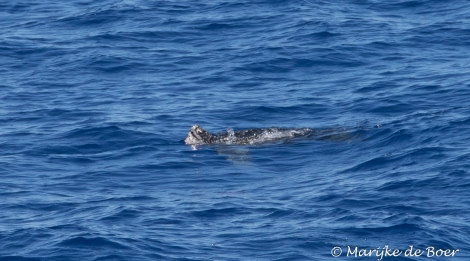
[98, 96]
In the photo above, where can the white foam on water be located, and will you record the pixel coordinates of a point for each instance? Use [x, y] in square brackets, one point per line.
[230, 136]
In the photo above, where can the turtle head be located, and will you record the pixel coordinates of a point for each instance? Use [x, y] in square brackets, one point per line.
[198, 136]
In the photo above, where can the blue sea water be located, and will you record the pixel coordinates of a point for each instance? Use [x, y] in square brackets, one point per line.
[98, 96]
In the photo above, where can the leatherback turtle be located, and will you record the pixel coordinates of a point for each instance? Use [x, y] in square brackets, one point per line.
[199, 136]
